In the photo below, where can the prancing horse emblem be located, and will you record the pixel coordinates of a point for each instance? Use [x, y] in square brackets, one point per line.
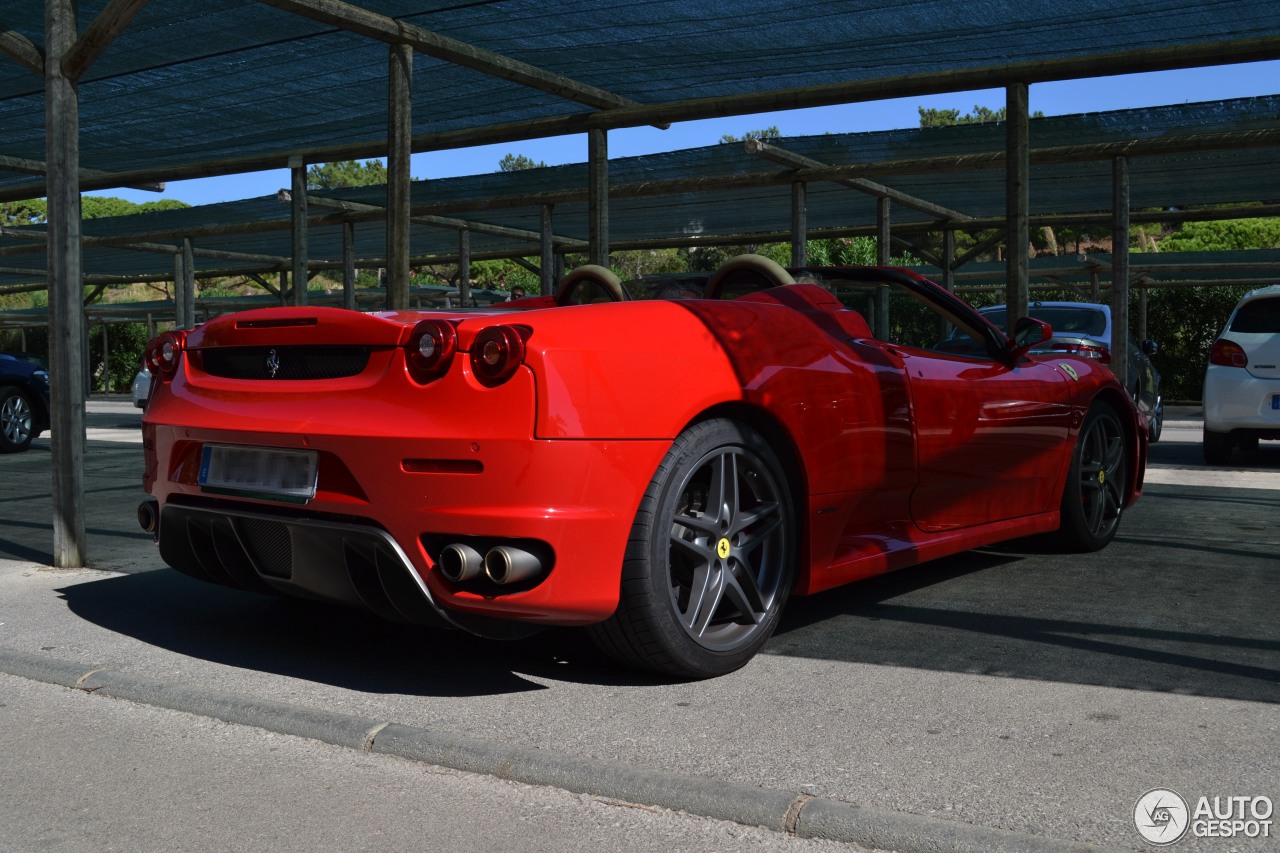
[273, 363]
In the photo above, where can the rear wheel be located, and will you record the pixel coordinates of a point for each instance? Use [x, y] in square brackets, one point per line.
[710, 561]
[17, 420]
[1093, 498]
[1217, 447]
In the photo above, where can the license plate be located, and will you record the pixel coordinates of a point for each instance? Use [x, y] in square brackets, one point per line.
[259, 472]
[1275, 401]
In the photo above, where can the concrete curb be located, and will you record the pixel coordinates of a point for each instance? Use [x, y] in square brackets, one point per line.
[782, 811]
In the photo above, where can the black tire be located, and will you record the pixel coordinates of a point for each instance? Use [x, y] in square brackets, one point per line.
[1093, 497]
[1217, 447]
[711, 558]
[17, 420]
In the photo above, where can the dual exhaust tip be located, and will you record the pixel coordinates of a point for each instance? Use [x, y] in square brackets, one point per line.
[501, 564]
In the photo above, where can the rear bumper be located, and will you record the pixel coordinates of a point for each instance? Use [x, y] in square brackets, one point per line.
[1236, 400]
[386, 507]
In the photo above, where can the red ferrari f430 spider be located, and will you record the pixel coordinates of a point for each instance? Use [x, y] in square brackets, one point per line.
[665, 466]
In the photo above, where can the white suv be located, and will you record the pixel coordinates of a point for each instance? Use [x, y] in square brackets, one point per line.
[1242, 383]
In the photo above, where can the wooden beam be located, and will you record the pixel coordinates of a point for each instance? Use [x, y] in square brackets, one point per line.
[21, 48]
[99, 35]
[374, 210]
[760, 148]
[464, 267]
[24, 166]
[380, 27]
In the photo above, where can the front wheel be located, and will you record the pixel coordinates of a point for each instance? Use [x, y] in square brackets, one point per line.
[17, 421]
[711, 558]
[1093, 497]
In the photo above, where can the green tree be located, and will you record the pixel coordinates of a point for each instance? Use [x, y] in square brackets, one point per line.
[29, 212]
[345, 173]
[931, 117]
[1223, 236]
[519, 163]
[770, 132]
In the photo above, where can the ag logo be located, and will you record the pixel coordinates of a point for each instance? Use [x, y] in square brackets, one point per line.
[1069, 370]
[1161, 816]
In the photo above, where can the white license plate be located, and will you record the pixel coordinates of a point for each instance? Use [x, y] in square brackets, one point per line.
[261, 472]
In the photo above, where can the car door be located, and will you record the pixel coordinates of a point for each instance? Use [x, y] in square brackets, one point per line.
[991, 436]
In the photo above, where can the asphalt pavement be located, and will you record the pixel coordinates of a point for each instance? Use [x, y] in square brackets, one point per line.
[1007, 698]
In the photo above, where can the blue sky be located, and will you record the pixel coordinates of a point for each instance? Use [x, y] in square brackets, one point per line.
[1076, 96]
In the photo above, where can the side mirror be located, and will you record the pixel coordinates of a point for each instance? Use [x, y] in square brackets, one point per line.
[1150, 347]
[1028, 333]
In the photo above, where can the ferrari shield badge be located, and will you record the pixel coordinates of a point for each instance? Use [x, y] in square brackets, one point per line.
[1069, 370]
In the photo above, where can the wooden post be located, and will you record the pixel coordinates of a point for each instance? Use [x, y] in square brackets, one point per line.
[179, 294]
[883, 249]
[1120, 269]
[598, 197]
[1017, 203]
[548, 272]
[67, 344]
[799, 225]
[948, 257]
[189, 276]
[106, 359]
[399, 144]
[298, 170]
[464, 267]
[349, 265]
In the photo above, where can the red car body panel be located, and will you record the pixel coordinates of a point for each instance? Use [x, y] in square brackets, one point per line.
[896, 455]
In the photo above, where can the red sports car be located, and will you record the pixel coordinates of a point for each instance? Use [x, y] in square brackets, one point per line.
[664, 467]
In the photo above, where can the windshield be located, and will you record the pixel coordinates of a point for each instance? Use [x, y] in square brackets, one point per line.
[1084, 320]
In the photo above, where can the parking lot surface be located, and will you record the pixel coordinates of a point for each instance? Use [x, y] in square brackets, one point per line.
[1006, 689]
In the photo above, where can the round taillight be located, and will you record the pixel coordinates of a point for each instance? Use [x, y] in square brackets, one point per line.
[496, 354]
[1227, 353]
[164, 353]
[430, 349]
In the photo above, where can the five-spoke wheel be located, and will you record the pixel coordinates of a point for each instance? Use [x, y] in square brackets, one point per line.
[1094, 496]
[711, 558]
[17, 420]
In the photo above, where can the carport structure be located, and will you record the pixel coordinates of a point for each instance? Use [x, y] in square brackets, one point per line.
[135, 92]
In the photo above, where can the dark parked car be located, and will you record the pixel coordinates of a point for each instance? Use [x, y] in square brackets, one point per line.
[24, 403]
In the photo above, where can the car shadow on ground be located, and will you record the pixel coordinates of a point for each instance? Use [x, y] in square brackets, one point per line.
[1171, 605]
[328, 644]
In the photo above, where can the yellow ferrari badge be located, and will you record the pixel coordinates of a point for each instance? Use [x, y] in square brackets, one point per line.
[1069, 370]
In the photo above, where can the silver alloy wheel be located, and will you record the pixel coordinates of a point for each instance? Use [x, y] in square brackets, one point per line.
[16, 419]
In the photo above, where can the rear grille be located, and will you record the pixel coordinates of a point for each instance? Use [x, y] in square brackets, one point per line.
[296, 362]
[269, 542]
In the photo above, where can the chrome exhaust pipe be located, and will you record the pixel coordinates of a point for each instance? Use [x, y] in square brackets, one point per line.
[459, 562]
[149, 516]
[504, 564]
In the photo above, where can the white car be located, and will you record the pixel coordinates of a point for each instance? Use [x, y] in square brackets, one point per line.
[141, 387]
[1242, 382]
